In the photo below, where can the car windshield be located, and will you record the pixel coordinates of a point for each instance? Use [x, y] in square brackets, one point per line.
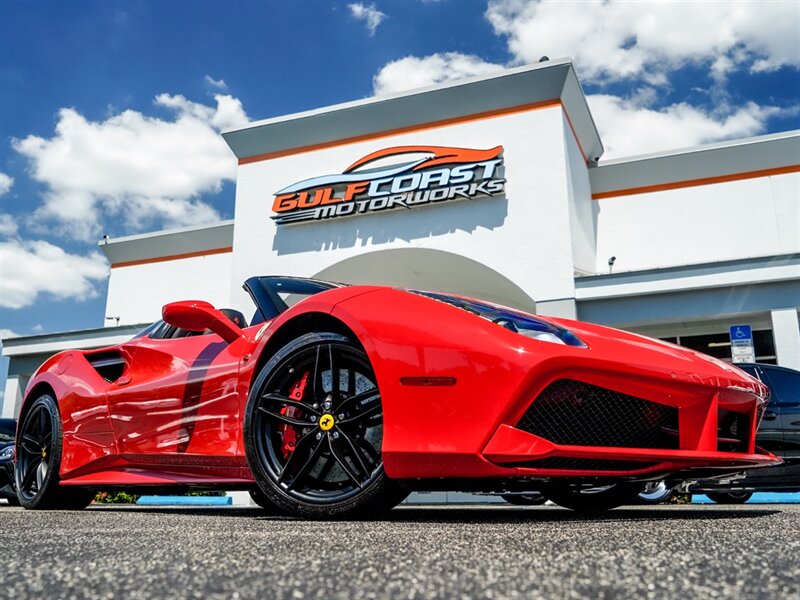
[274, 295]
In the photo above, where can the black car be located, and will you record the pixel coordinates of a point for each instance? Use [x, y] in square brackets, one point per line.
[8, 428]
[779, 433]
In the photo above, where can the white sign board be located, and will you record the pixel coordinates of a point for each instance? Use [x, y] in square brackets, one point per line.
[742, 349]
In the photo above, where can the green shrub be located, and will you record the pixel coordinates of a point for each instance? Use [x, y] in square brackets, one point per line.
[127, 498]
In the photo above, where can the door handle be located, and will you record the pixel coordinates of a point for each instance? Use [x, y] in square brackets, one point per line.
[769, 416]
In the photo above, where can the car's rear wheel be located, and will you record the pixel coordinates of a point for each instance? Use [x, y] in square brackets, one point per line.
[529, 499]
[587, 499]
[39, 450]
[729, 497]
[314, 428]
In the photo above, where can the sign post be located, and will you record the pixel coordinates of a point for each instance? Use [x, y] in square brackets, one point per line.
[742, 349]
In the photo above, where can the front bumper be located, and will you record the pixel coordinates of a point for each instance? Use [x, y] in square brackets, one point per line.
[590, 428]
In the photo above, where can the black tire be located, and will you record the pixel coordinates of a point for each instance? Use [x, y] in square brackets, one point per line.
[530, 499]
[10, 495]
[317, 455]
[38, 461]
[593, 499]
[257, 496]
[730, 497]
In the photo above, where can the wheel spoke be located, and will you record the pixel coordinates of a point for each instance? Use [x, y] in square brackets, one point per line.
[31, 444]
[285, 419]
[44, 421]
[370, 412]
[280, 399]
[307, 465]
[340, 458]
[30, 473]
[41, 473]
[358, 398]
[373, 456]
[316, 376]
[355, 454]
[334, 379]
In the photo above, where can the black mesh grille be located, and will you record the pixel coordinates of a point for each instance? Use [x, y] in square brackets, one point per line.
[578, 414]
[733, 431]
[584, 464]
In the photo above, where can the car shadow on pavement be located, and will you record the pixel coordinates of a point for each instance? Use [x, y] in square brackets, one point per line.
[543, 514]
[484, 514]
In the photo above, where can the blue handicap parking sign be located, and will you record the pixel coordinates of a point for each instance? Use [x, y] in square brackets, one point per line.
[741, 333]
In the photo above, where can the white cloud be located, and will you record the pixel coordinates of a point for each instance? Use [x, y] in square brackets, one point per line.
[614, 40]
[38, 267]
[216, 83]
[6, 181]
[132, 166]
[628, 128]
[8, 333]
[8, 225]
[415, 72]
[371, 16]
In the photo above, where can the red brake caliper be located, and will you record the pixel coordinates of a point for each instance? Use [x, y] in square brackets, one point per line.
[289, 432]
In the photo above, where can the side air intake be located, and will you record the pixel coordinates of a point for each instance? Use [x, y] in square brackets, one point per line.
[109, 365]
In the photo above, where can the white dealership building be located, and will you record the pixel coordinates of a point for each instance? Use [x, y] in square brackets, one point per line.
[491, 187]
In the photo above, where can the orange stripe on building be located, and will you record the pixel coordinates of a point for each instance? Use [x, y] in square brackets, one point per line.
[673, 185]
[574, 135]
[412, 128]
[158, 259]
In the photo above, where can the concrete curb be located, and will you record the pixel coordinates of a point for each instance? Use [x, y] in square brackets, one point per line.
[185, 501]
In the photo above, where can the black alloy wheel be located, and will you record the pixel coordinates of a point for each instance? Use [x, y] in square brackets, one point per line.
[313, 431]
[39, 458]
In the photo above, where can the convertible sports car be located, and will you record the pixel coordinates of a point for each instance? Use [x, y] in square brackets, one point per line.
[336, 401]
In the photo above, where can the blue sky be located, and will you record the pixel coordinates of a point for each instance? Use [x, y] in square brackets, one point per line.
[97, 96]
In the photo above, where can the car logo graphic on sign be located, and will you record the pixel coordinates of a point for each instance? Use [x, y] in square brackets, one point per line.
[397, 177]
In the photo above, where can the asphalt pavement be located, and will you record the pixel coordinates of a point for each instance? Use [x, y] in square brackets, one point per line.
[690, 551]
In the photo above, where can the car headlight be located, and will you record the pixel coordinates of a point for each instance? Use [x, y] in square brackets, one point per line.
[7, 453]
[539, 330]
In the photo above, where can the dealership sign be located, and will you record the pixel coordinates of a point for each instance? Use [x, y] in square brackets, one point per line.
[400, 177]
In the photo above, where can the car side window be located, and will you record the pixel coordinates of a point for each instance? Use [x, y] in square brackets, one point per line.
[785, 386]
[161, 331]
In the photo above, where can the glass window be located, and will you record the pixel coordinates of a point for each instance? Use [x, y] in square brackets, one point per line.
[785, 386]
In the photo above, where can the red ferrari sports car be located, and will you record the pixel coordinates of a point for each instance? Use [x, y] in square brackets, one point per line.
[336, 401]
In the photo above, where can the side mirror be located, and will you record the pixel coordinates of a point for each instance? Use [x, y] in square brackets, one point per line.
[196, 315]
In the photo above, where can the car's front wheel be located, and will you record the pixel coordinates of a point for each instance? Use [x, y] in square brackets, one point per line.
[39, 447]
[655, 492]
[587, 499]
[313, 431]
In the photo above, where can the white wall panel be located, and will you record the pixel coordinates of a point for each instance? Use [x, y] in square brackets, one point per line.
[136, 293]
[707, 223]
